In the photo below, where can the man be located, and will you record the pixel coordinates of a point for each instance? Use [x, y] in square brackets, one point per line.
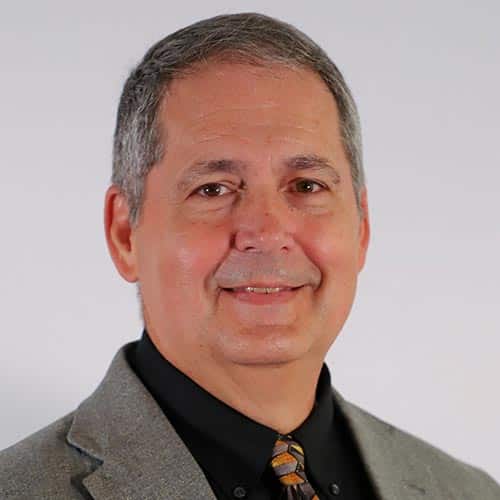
[238, 206]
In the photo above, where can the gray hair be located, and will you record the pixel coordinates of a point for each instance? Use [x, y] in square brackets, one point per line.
[243, 38]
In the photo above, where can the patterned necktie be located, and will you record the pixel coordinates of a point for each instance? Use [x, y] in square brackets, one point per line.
[288, 464]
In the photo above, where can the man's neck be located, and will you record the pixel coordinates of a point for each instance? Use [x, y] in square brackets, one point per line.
[280, 396]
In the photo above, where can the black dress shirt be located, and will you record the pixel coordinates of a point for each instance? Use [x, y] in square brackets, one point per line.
[234, 451]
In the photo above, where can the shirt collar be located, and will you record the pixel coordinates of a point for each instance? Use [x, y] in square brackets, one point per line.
[207, 424]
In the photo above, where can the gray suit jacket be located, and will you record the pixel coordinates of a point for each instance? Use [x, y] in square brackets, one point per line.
[118, 445]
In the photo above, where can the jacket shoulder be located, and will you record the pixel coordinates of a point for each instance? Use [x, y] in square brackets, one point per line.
[43, 465]
[450, 474]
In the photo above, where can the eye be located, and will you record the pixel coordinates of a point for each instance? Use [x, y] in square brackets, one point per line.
[211, 190]
[216, 189]
[308, 186]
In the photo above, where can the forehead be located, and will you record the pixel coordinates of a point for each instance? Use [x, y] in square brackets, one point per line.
[249, 104]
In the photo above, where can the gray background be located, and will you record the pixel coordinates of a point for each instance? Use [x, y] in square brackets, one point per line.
[421, 348]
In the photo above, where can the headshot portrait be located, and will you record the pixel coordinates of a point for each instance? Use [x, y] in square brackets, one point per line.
[251, 253]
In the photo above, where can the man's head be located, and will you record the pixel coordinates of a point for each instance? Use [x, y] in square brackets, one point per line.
[237, 162]
[251, 38]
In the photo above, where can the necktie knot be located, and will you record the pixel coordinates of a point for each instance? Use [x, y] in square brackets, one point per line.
[288, 463]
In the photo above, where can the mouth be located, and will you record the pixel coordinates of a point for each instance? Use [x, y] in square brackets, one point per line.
[262, 289]
[263, 295]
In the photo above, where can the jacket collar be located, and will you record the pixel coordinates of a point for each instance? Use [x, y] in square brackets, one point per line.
[122, 427]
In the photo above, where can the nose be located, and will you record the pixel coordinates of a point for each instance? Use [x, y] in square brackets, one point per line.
[264, 223]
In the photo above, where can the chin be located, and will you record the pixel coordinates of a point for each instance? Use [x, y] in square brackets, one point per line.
[264, 345]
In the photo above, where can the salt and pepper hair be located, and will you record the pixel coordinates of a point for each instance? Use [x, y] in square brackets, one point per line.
[242, 38]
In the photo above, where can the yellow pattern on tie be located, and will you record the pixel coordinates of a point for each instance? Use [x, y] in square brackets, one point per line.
[288, 464]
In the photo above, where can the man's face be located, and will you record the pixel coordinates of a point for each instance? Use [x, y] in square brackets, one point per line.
[254, 189]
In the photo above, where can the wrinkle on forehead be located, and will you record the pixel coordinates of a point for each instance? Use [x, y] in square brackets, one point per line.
[261, 113]
[208, 138]
[259, 106]
[228, 130]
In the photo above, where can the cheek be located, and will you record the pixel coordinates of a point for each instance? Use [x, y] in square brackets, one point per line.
[333, 249]
[188, 259]
[332, 245]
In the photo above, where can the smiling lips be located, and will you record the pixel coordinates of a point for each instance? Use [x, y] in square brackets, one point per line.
[265, 289]
[263, 295]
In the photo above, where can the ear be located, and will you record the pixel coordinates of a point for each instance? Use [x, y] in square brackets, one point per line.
[364, 230]
[119, 234]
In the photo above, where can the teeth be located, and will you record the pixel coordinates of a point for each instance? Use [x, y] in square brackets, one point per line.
[260, 290]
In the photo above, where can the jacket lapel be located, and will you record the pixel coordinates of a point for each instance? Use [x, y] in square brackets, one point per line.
[396, 469]
[141, 456]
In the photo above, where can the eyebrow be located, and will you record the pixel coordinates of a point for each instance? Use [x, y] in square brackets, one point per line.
[299, 163]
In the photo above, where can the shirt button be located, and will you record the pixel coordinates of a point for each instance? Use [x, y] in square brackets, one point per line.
[334, 489]
[239, 492]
